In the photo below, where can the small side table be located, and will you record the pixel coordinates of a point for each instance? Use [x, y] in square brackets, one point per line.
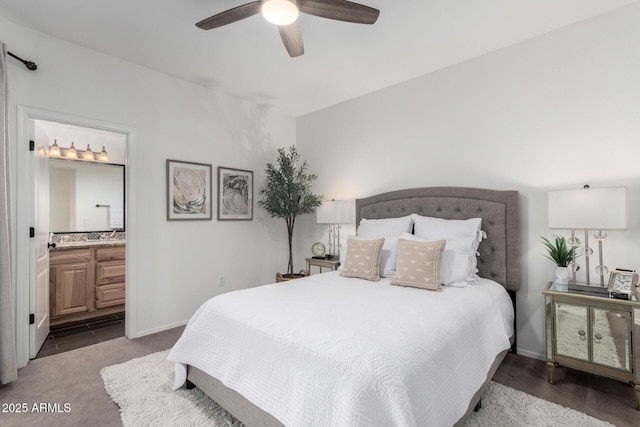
[321, 265]
[593, 333]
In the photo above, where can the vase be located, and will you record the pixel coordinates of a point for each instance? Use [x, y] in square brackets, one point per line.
[562, 275]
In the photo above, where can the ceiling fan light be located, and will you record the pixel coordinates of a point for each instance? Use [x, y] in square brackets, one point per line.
[280, 12]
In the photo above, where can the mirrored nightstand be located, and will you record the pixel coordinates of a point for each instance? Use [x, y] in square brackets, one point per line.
[594, 333]
[316, 265]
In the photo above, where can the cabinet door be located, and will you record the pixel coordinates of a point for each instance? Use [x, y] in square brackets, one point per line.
[611, 336]
[572, 326]
[70, 293]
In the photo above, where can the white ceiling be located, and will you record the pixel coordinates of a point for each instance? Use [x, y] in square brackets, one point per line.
[341, 60]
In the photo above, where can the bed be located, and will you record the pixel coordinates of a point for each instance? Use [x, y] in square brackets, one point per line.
[313, 354]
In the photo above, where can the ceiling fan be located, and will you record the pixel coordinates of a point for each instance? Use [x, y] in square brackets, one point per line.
[284, 14]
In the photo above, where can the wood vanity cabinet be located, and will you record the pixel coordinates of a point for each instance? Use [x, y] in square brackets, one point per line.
[86, 282]
[71, 284]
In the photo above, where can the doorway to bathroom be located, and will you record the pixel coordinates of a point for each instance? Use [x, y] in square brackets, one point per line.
[87, 234]
[73, 283]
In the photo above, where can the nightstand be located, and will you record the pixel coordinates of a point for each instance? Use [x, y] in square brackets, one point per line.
[321, 265]
[588, 331]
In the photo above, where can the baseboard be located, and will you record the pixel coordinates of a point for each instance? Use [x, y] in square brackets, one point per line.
[160, 329]
[531, 354]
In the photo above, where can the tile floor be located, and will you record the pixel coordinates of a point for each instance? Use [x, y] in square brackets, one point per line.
[69, 336]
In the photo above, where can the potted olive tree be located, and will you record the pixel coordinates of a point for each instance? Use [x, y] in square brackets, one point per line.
[562, 255]
[287, 194]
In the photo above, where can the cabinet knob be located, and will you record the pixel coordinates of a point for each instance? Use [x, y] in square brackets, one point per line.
[51, 245]
[583, 334]
[597, 338]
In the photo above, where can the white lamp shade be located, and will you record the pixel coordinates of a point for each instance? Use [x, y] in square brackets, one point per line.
[589, 208]
[335, 212]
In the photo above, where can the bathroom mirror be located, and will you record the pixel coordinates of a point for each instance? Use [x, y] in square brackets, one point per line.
[85, 196]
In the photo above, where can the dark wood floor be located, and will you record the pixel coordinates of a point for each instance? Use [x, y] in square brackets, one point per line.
[69, 336]
[603, 398]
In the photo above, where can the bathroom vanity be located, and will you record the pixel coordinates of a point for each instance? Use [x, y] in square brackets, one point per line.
[86, 279]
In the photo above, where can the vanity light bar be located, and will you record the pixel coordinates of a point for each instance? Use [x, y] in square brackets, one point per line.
[72, 153]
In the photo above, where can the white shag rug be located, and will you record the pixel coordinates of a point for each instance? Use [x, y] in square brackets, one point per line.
[142, 389]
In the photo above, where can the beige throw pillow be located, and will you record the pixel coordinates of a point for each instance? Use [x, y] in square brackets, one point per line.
[363, 259]
[419, 264]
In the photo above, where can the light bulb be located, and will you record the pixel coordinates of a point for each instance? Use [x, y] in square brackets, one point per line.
[280, 12]
[71, 152]
[103, 156]
[54, 150]
[88, 154]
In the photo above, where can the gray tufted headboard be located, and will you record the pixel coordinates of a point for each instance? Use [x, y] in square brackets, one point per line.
[499, 258]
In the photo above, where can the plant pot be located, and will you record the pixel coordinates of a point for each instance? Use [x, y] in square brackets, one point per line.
[562, 275]
[286, 277]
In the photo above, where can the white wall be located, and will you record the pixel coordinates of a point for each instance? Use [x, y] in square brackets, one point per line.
[178, 264]
[558, 111]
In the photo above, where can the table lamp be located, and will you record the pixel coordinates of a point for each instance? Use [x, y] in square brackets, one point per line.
[334, 212]
[589, 209]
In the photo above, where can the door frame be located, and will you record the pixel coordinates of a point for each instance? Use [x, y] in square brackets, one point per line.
[24, 221]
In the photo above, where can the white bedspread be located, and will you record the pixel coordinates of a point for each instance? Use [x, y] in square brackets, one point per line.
[334, 351]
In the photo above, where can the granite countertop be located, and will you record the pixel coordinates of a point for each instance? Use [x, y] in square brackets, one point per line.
[89, 243]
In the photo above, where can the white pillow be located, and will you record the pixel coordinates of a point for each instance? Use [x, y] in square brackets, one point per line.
[458, 268]
[444, 229]
[388, 258]
[387, 227]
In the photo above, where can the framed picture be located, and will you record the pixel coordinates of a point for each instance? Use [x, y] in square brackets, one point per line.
[235, 194]
[189, 192]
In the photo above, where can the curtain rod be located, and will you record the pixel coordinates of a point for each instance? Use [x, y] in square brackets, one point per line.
[29, 64]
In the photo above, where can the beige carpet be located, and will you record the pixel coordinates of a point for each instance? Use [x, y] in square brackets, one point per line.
[142, 389]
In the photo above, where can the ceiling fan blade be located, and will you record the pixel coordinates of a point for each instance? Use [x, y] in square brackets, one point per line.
[340, 10]
[292, 39]
[230, 16]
